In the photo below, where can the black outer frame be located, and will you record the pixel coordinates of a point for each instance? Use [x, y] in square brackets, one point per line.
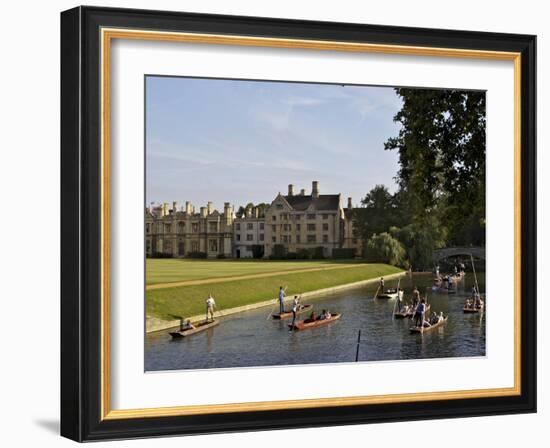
[81, 207]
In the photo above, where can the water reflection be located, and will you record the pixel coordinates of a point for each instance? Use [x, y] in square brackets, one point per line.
[248, 339]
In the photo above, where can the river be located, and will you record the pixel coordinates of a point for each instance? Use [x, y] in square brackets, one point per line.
[250, 339]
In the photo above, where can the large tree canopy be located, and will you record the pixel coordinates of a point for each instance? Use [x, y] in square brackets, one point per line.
[441, 177]
[441, 147]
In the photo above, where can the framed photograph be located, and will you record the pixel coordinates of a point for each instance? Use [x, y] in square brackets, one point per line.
[272, 223]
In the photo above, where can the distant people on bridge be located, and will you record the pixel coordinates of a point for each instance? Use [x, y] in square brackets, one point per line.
[281, 300]
[210, 305]
[381, 286]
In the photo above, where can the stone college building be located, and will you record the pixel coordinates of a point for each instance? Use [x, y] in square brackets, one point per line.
[305, 225]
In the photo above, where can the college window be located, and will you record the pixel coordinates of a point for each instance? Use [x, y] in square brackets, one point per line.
[311, 216]
[325, 226]
[213, 226]
[194, 246]
[274, 217]
[238, 236]
[311, 239]
[147, 228]
[195, 227]
[148, 249]
[167, 228]
[298, 239]
[237, 227]
[285, 239]
[279, 206]
[249, 237]
[311, 227]
[273, 228]
[325, 216]
[287, 227]
[298, 227]
[325, 238]
[181, 227]
[249, 226]
[213, 245]
[273, 239]
[261, 236]
[261, 226]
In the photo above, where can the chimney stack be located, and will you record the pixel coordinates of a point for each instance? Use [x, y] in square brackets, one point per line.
[303, 192]
[315, 189]
[350, 205]
[290, 190]
[164, 209]
[188, 207]
[204, 212]
[174, 207]
[209, 207]
[228, 213]
[248, 212]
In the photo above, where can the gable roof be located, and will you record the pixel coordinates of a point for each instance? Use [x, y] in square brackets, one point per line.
[328, 202]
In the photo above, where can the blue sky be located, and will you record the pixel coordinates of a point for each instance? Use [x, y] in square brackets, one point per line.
[244, 141]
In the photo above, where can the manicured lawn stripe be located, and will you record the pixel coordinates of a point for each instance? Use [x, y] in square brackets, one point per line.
[175, 270]
[170, 303]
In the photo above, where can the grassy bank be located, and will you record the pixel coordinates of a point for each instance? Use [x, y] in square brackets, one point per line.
[176, 270]
[171, 303]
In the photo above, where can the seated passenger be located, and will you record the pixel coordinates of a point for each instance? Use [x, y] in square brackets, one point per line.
[187, 326]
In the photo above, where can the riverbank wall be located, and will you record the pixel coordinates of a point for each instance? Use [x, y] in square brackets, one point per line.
[154, 324]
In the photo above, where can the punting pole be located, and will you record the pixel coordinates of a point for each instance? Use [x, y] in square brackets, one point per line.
[358, 345]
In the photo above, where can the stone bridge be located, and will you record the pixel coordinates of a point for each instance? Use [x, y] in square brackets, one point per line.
[440, 254]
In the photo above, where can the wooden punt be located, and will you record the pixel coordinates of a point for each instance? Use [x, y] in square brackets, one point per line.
[471, 310]
[430, 328]
[410, 314]
[288, 314]
[199, 327]
[304, 324]
[390, 293]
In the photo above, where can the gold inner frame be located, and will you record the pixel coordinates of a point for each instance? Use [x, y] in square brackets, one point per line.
[107, 35]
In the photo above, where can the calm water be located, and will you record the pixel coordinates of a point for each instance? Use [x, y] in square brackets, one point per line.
[249, 339]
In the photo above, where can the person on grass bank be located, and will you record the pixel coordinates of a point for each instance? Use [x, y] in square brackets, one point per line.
[210, 305]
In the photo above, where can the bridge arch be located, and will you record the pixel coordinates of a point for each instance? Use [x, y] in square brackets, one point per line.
[440, 254]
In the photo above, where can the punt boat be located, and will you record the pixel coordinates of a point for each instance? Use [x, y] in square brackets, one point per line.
[288, 314]
[430, 328]
[307, 323]
[199, 327]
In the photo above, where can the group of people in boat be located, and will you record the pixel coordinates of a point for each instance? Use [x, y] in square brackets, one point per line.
[475, 302]
[297, 306]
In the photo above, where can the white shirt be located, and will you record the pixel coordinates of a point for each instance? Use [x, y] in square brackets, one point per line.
[210, 302]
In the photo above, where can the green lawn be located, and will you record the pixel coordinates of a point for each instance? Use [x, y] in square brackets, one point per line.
[170, 303]
[177, 270]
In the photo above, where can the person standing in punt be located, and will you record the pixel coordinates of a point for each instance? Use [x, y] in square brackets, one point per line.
[419, 313]
[295, 308]
[416, 296]
[400, 294]
[210, 305]
[281, 300]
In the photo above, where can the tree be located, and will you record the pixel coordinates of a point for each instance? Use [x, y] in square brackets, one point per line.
[441, 147]
[377, 213]
[383, 248]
